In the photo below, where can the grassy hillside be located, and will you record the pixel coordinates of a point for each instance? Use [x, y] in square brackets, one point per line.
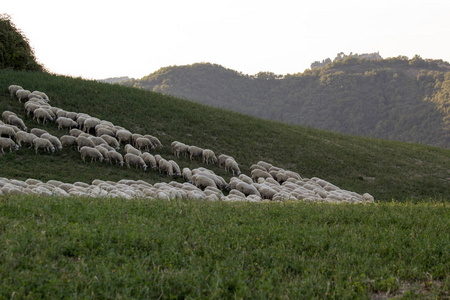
[384, 169]
[396, 98]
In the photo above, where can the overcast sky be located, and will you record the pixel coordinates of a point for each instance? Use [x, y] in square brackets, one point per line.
[98, 39]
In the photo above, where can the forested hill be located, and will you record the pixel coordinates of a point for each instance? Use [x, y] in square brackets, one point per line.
[395, 98]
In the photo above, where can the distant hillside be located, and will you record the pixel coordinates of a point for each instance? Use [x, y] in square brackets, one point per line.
[113, 80]
[396, 98]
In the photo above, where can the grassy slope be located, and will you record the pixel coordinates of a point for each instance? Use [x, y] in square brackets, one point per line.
[385, 169]
[100, 248]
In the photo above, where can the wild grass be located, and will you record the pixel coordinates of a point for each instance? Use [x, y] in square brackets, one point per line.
[385, 169]
[102, 248]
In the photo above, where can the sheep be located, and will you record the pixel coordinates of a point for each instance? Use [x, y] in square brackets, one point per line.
[64, 122]
[209, 156]
[60, 113]
[16, 121]
[75, 132]
[266, 191]
[245, 178]
[135, 160]
[202, 181]
[90, 123]
[43, 114]
[31, 106]
[264, 164]
[104, 152]
[150, 160]
[97, 140]
[68, 141]
[37, 131]
[25, 137]
[124, 136]
[41, 143]
[180, 148]
[93, 153]
[130, 149]
[84, 141]
[99, 131]
[116, 157]
[175, 167]
[6, 114]
[111, 141]
[165, 166]
[187, 174]
[43, 95]
[22, 94]
[155, 141]
[222, 158]
[53, 139]
[257, 173]
[195, 151]
[8, 143]
[8, 131]
[231, 164]
[13, 89]
[142, 142]
[134, 137]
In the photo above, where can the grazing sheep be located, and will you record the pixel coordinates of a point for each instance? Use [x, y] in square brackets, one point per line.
[93, 153]
[53, 139]
[90, 123]
[222, 158]
[22, 94]
[130, 149]
[187, 174]
[97, 140]
[142, 142]
[116, 157]
[266, 191]
[60, 113]
[155, 141]
[13, 89]
[8, 143]
[195, 151]
[247, 189]
[8, 131]
[6, 114]
[245, 178]
[37, 131]
[124, 136]
[175, 167]
[150, 160]
[264, 164]
[131, 158]
[111, 141]
[71, 115]
[257, 173]
[75, 132]
[31, 106]
[180, 148]
[64, 122]
[42, 114]
[202, 181]
[68, 141]
[134, 137]
[99, 131]
[209, 156]
[25, 138]
[84, 141]
[43, 95]
[41, 143]
[231, 164]
[104, 152]
[165, 167]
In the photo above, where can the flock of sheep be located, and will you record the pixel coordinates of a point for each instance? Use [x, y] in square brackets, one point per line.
[101, 140]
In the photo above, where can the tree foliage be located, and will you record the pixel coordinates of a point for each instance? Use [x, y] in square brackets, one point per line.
[15, 50]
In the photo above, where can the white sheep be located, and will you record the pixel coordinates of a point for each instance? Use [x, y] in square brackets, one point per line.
[8, 143]
[43, 95]
[31, 106]
[6, 114]
[41, 143]
[116, 157]
[37, 131]
[175, 167]
[16, 121]
[247, 189]
[231, 164]
[68, 141]
[150, 160]
[90, 123]
[165, 167]
[195, 151]
[222, 158]
[187, 174]
[42, 114]
[124, 136]
[97, 140]
[155, 141]
[134, 137]
[202, 181]
[142, 142]
[111, 141]
[104, 152]
[25, 137]
[130, 149]
[180, 148]
[13, 89]
[209, 156]
[7, 130]
[131, 158]
[93, 153]
[266, 191]
[258, 173]
[84, 141]
[75, 132]
[99, 131]
[22, 94]
[53, 139]
[64, 122]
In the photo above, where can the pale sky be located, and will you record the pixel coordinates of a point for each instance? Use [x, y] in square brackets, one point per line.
[97, 39]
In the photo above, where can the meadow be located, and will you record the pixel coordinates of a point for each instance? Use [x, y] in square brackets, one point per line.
[115, 248]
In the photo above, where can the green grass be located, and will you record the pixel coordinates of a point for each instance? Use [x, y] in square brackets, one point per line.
[100, 248]
[385, 169]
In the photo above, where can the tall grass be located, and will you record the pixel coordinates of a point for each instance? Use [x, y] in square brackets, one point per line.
[101, 248]
[385, 169]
